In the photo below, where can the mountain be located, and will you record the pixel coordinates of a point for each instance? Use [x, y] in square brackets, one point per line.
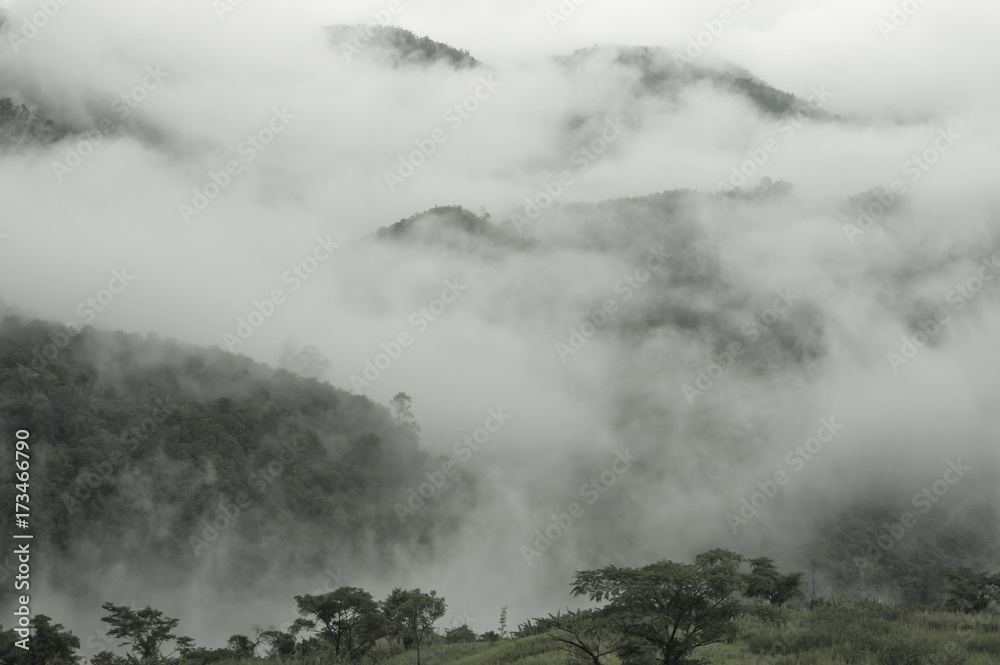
[22, 127]
[400, 46]
[148, 454]
[452, 226]
[661, 72]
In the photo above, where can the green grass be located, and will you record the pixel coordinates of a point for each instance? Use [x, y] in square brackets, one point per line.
[838, 632]
[534, 650]
[864, 633]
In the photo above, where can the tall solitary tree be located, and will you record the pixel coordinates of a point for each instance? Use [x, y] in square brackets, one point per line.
[663, 611]
[402, 411]
[416, 615]
[764, 581]
[347, 618]
[144, 630]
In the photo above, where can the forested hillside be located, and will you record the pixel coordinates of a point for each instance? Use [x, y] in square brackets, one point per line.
[20, 126]
[151, 453]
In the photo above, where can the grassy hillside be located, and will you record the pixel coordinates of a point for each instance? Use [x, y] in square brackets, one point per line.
[864, 633]
[832, 633]
[534, 650]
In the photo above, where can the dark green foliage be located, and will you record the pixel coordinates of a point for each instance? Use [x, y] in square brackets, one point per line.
[529, 628]
[279, 643]
[347, 619]
[143, 631]
[460, 634]
[389, 608]
[124, 428]
[242, 646]
[664, 611]
[585, 634]
[973, 591]
[48, 644]
[108, 658]
[415, 614]
[765, 582]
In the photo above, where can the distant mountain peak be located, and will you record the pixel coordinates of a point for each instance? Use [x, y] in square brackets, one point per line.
[451, 225]
[663, 71]
[402, 46]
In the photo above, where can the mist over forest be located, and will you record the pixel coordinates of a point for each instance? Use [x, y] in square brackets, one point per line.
[387, 288]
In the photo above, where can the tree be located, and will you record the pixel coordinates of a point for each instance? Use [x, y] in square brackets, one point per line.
[764, 581]
[416, 615]
[243, 647]
[460, 634]
[107, 658]
[143, 630]
[663, 611]
[50, 644]
[972, 591]
[529, 628]
[389, 608]
[402, 411]
[348, 619]
[279, 643]
[583, 634]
